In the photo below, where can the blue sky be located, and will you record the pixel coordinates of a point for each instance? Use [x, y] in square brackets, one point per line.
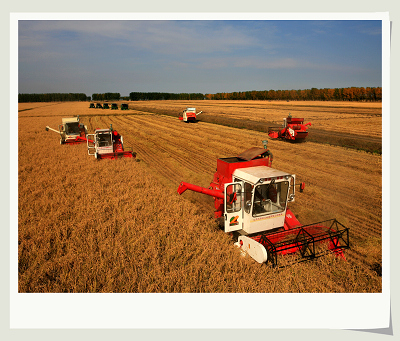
[206, 56]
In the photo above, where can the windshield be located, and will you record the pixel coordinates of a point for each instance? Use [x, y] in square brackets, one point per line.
[104, 140]
[270, 198]
[72, 128]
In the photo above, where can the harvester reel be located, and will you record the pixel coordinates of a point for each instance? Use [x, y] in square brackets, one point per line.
[305, 244]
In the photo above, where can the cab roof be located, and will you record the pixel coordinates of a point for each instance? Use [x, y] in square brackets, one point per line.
[254, 174]
[70, 120]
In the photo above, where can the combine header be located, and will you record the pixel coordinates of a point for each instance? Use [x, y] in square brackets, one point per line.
[107, 144]
[71, 131]
[293, 130]
[189, 115]
[250, 201]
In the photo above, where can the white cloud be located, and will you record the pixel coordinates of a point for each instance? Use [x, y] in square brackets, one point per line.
[156, 36]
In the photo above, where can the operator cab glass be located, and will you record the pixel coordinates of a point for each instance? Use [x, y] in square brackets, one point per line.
[270, 198]
[233, 198]
[104, 139]
[72, 128]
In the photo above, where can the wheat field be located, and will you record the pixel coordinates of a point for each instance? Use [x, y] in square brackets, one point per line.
[87, 225]
[357, 118]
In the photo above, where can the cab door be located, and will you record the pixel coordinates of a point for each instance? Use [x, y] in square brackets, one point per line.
[233, 206]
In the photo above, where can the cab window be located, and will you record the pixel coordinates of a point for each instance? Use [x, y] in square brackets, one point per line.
[270, 198]
[248, 193]
[104, 140]
[233, 198]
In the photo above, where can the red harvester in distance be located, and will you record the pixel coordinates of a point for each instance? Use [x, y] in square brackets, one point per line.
[250, 199]
[293, 129]
[107, 144]
[71, 131]
[189, 115]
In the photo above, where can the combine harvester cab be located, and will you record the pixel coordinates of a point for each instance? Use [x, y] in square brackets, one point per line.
[106, 106]
[91, 105]
[99, 106]
[293, 129]
[189, 115]
[71, 131]
[251, 198]
[124, 106]
[107, 144]
[114, 106]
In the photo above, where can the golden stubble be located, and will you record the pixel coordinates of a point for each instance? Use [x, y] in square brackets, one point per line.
[119, 225]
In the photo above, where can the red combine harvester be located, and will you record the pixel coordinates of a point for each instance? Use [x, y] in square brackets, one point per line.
[189, 115]
[293, 130]
[71, 131]
[107, 144]
[250, 199]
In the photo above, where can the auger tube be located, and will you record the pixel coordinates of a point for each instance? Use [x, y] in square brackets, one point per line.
[48, 128]
[184, 186]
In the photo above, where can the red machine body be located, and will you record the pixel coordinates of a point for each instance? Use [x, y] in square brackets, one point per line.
[293, 129]
[250, 199]
[225, 168]
[107, 144]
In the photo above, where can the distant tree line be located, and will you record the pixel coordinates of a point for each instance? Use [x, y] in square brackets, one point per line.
[108, 96]
[337, 94]
[313, 94]
[52, 97]
[154, 96]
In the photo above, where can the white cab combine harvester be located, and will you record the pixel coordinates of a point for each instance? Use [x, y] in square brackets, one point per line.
[189, 115]
[107, 144]
[71, 131]
[250, 199]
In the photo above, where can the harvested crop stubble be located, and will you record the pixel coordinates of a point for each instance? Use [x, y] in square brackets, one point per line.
[359, 118]
[119, 225]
